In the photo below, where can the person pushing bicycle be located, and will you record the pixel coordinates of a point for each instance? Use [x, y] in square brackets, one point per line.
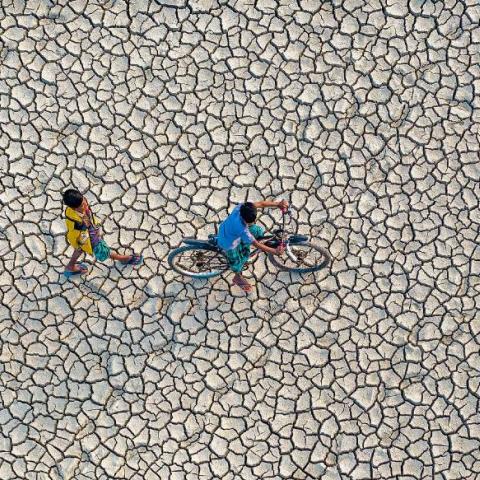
[230, 249]
[238, 232]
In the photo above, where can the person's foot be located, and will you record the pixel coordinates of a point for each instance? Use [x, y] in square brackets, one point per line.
[133, 260]
[242, 283]
[77, 269]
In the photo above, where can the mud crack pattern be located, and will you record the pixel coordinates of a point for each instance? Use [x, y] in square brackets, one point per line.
[364, 114]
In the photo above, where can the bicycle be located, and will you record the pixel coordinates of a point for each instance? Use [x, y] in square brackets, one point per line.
[204, 259]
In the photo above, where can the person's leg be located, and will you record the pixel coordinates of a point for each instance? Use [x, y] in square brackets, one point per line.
[72, 264]
[127, 259]
[257, 231]
[120, 258]
[236, 259]
[242, 282]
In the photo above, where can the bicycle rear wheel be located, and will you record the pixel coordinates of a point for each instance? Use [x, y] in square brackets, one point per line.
[301, 258]
[197, 262]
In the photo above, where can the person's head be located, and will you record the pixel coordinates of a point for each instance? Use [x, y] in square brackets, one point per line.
[73, 198]
[248, 212]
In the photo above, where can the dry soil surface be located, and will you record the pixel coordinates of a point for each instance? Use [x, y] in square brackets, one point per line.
[364, 114]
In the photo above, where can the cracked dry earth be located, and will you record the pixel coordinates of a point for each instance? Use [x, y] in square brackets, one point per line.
[364, 114]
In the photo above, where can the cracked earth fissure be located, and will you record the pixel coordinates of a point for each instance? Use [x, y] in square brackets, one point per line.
[364, 114]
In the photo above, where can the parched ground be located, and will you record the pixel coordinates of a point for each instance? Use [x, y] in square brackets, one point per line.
[365, 115]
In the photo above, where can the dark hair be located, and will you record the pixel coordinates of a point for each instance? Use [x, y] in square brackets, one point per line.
[72, 198]
[248, 211]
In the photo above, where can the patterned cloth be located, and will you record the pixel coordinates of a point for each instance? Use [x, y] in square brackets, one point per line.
[94, 235]
[237, 256]
[88, 238]
[100, 248]
[101, 251]
[77, 232]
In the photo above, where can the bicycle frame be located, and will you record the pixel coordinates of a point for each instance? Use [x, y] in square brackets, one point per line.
[292, 240]
[283, 239]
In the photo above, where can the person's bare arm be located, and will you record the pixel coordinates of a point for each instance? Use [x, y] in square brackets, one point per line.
[266, 203]
[265, 248]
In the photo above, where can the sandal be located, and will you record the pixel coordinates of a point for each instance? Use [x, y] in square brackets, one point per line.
[243, 284]
[72, 273]
[134, 260]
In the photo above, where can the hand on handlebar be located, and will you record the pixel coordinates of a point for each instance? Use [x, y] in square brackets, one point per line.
[283, 205]
[280, 249]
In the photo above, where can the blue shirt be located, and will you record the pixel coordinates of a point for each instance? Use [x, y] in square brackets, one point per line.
[233, 230]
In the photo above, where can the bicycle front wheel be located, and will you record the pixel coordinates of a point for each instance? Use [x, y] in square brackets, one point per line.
[197, 262]
[301, 258]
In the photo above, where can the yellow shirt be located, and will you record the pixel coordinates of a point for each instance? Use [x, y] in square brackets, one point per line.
[78, 237]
